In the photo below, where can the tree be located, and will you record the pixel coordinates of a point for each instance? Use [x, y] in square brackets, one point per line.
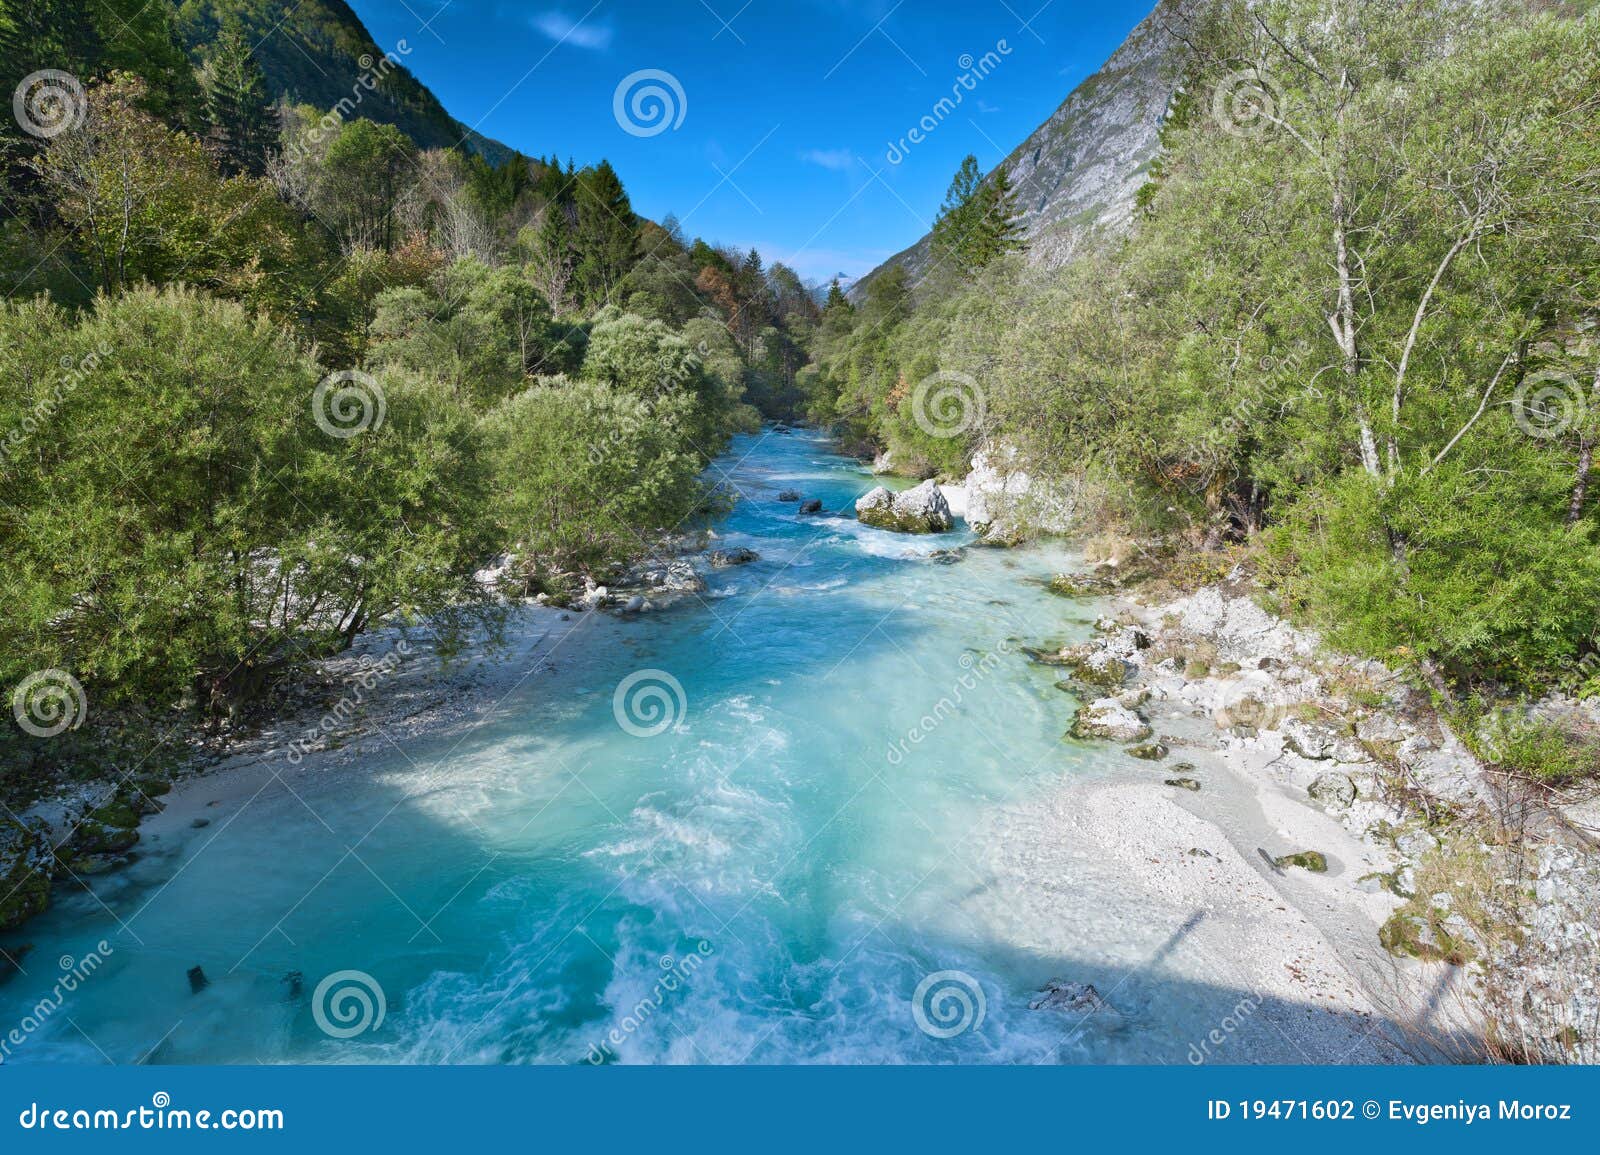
[185, 488]
[979, 220]
[244, 115]
[605, 235]
[144, 202]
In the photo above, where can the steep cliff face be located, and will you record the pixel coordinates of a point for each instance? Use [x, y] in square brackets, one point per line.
[1077, 174]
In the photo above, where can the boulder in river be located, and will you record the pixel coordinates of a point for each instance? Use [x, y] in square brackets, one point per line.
[788, 495]
[814, 505]
[922, 509]
[739, 555]
[1060, 995]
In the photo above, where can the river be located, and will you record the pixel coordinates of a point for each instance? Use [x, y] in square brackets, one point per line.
[787, 820]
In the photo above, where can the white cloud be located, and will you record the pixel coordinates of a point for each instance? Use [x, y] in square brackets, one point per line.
[558, 26]
[837, 159]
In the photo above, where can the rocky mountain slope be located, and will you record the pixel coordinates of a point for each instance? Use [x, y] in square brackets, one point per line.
[1077, 174]
[317, 51]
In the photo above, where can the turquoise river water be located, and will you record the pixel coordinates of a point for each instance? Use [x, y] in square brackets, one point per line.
[808, 840]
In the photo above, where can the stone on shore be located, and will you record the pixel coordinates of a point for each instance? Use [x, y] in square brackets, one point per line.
[1110, 720]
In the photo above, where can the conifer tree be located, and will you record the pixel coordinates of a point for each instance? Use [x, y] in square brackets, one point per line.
[238, 104]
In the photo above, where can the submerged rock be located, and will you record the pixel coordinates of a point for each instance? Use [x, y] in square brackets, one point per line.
[1184, 784]
[1149, 751]
[919, 510]
[1060, 995]
[25, 867]
[723, 558]
[1081, 585]
[788, 495]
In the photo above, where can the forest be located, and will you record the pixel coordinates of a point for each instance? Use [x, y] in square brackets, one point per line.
[276, 372]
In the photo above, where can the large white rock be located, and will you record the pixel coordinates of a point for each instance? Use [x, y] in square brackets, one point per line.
[919, 510]
[1004, 500]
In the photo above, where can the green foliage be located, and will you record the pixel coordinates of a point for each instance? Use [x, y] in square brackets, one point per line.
[585, 470]
[978, 221]
[143, 202]
[238, 104]
[174, 519]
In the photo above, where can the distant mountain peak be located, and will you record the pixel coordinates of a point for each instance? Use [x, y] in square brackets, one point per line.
[1077, 174]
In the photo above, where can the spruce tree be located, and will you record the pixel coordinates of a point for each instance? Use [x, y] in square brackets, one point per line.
[606, 235]
[238, 104]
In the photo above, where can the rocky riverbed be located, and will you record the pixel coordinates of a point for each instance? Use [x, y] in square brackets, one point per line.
[1480, 895]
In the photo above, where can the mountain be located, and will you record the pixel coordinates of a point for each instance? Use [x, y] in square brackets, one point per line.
[318, 52]
[1077, 174]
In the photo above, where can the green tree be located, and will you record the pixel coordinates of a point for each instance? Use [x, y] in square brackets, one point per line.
[238, 103]
[605, 235]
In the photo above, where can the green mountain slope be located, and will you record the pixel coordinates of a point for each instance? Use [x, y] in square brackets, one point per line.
[318, 52]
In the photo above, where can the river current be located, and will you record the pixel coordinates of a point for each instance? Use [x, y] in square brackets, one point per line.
[759, 825]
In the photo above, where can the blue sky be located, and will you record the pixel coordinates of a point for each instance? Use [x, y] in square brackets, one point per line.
[788, 110]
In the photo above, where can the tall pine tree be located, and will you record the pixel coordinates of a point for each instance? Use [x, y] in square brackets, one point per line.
[241, 111]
